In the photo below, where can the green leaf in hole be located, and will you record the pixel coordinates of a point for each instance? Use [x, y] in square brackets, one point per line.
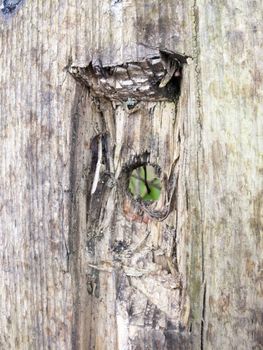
[144, 184]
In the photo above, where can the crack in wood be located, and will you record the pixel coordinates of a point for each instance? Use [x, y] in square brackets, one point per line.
[203, 316]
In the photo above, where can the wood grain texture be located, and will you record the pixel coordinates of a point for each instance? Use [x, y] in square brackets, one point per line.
[62, 285]
[231, 186]
[127, 255]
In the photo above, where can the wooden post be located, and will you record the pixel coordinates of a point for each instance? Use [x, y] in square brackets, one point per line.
[90, 90]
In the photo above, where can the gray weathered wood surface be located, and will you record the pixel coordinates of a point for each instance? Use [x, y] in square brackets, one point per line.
[62, 283]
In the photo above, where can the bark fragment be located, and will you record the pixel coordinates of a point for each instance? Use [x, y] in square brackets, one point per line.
[154, 78]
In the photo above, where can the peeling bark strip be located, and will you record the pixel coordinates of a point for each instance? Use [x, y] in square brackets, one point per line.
[155, 78]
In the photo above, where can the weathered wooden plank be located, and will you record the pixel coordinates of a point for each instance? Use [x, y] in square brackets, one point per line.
[62, 285]
[231, 189]
[37, 105]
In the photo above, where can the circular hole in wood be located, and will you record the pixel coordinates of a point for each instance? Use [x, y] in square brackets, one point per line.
[144, 183]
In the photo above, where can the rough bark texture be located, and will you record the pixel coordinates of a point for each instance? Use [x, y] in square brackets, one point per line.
[102, 271]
